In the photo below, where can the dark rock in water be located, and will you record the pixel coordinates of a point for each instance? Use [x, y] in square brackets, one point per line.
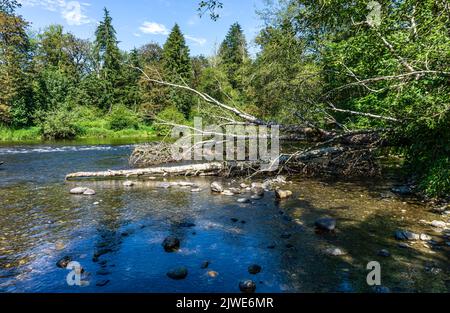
[205, 264]
[271, 247]
[326, 223]
[178, 273]
[171, 244]
[101, 252]
[402, 190]
[285, 236]
[64, 262]
[381, 289]
[103, 272]
[102, 282]
[243, 222]
[403, 245]
[234, 220]
[254, 269]
[247, 286]
[289, 246]
[384, 253]
[406, 235]
[186, 225]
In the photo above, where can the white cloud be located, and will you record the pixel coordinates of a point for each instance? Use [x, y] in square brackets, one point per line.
[72, 12]
[154, 28]
[198, 40]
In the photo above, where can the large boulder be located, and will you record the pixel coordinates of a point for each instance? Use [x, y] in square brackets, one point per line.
[216, 187]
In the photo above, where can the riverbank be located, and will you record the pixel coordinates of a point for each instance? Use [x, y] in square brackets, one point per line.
[35, 133]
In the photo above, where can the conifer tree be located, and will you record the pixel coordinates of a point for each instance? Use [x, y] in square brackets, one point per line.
[177, 68]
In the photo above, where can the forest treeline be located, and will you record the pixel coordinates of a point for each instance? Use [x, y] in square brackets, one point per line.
[333, 64]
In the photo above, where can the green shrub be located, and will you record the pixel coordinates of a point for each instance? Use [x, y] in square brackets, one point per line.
[123, 118]
[169, 115]
[60, 124]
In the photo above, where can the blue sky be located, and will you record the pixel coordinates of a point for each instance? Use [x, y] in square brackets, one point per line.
[141, 21]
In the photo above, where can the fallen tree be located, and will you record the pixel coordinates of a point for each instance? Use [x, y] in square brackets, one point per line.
[336, 152]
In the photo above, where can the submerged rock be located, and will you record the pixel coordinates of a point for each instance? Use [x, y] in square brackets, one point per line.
[243, 200]
[205, 264]
[196, 190]
[247, 286]
[128, 183]
[216, 187]
[62, 263]
[213, 274]
[254, 269]
[89, 192]
[285, 236]
[326, 223]
[406, 235]
[186, 225]
[227, 192]
[102, 282]
[333, 251]
[178, 273]
[402, 190]
[78, 190]
[381, 289]
[256, 197]
[163, 185]
[283, 194]
[171, 244]
[384, 253]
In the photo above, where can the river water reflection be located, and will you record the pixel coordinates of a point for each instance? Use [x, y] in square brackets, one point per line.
[116, 235]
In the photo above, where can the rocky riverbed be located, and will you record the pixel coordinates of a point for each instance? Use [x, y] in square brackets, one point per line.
[203, 235]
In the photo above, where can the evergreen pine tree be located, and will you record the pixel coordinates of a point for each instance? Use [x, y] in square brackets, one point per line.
[177, 68]
[108, 59]
[233, 53]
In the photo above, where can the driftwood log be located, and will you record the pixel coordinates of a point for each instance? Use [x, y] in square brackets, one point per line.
[327, 160]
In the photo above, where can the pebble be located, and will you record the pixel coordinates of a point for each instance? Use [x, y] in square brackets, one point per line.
[381, 289]
[254, 269]
[425, 237]
[62, 263]
[334, 251]
[227, 192]
[78, 190]
[247, 286]
[256, 197]
[89, 192]
[438, 224]
[196, 190]
[178, 273]
[102, 282]
[384, 253]
[283, 194]
[213, 274]
[128, 183]
[205, 264]
[243, 200]
[163, 185]
[326, 223]
[406, 235]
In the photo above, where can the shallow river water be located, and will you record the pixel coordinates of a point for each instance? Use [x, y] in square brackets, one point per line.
[116, 235]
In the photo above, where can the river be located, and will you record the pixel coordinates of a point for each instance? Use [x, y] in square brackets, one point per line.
[116, 235]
